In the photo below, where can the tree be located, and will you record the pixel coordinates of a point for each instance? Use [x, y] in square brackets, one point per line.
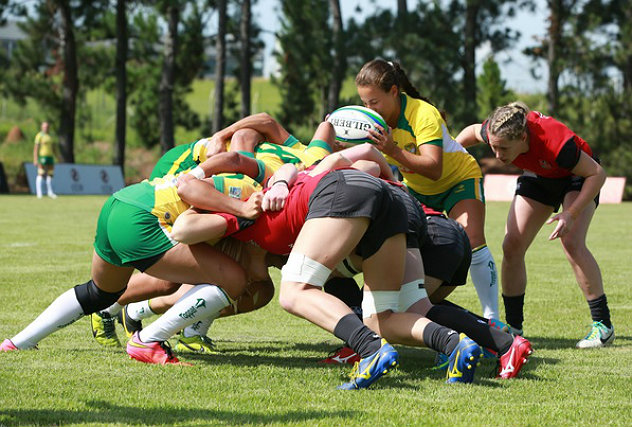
[121, 82]
[220, 67]
[246, 57]
[492, 90]
[167, 82]
[339, 66]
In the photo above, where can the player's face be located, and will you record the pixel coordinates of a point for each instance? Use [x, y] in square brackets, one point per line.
[384, 103]
[507, 150]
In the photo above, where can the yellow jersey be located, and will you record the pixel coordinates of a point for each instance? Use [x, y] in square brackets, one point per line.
[421, 123]
[45, 142]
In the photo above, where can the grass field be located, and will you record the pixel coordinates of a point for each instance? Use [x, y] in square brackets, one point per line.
[266, 373]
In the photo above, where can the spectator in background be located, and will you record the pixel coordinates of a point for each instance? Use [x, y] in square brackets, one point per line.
[44, 159]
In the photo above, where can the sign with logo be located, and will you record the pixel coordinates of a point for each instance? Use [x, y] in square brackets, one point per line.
[71, 178]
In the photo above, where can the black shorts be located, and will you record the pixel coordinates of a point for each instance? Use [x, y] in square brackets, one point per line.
[417, 232]
[349, 193]
[549, 191]
[447, 252]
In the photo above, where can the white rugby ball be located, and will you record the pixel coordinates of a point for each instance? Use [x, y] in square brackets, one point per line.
[353, 122]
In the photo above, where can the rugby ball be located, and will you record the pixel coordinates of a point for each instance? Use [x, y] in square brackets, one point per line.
[353, 122]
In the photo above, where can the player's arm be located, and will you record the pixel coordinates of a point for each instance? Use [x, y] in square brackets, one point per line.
[262, 122]
[429, 161]
[279, 188]
[349, 156]
[201, 193]
[470, 136]
[594, 178]
[227, 162]
[36, 148]
[194, 226]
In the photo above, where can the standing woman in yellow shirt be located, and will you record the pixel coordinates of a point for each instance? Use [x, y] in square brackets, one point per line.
[437, 170]
[43, 158]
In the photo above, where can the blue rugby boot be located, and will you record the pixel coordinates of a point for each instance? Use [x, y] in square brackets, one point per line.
[371, 368]
[463, 361]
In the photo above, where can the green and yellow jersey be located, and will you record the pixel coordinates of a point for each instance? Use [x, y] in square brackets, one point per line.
[421, 123]
[45, 142]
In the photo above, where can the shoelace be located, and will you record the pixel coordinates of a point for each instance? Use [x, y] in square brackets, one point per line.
[207, 341]
[108, 326]
[167, 348]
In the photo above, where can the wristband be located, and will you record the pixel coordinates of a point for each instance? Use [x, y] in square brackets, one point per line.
[197, 172]
[283, 181]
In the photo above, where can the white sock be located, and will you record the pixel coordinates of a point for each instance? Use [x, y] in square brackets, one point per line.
[485, 278]
[113, 310]
[38, 185]
[198, 328]
[61, 313]
[139, 310]
[201, 302]
[49, 185]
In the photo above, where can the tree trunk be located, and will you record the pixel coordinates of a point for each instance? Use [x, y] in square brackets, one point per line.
[339, 63]
[469, 61]
[246, 64]
[167, 81]
[220, 70]
[70, 84]
[121, 82]
[402, 9]
[552, 58]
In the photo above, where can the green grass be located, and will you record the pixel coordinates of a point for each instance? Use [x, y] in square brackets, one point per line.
[267, 373]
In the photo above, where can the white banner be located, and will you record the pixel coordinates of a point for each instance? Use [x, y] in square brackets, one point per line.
[70, 178]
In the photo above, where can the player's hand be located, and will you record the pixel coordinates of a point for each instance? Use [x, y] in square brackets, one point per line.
[184, 178]
[274, 199]
[383, 139]
[252, 206]
[565, 221]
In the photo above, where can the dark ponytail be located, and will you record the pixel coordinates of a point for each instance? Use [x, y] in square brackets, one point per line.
[384, 74]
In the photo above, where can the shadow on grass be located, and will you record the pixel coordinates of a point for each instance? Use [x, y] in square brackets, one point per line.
[106, 412]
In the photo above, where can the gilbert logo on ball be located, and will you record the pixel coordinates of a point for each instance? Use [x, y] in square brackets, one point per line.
[352, 123]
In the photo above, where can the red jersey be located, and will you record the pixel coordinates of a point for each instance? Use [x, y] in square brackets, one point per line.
[553, 148]
[276, 231]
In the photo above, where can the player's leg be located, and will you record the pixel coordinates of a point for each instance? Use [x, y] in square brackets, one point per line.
[588, 276]
[525, 218]
[50, 171]
[470, 213]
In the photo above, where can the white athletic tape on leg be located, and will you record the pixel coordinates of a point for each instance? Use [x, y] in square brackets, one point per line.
[378, 301]
[302, 269]
[410, 293]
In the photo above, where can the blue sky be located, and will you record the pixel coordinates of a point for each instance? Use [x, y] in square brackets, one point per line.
[514, 65]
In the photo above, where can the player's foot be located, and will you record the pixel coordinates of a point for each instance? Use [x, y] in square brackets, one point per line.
[512, 361]
[441, 362]
[200, 344]
[515, 331]
[463, 361]
[371, 368]
[158, 352]
[495, 323]
[129, 325]
[341, 355]
[7, 345]
[39, 196]
[104, 330]
[52, 195]
[599, 336]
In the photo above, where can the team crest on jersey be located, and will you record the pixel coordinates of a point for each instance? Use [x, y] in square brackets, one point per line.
[544, 164]
[234, 192]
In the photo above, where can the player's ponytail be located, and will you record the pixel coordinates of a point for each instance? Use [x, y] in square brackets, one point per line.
[384, 74]
[509, 121]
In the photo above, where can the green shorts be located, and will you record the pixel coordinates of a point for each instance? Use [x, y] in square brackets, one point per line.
[46, 160]
[444, 202]
[128, 236]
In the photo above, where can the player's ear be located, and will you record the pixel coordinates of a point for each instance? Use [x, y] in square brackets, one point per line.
[394, 91]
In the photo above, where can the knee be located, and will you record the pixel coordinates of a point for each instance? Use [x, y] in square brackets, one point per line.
[168, 288]
[513, 248]
[573, 247]
[289, 296]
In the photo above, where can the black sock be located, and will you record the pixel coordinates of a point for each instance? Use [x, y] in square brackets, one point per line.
[476, 329]
[361, 339]
[599, 310]
[514, 310]
[346, 289]
[451, 304]
[440, 338]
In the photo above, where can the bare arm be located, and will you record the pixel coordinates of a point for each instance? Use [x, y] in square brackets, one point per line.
[262, 123]
[35, 153]
[469, 136]
[351, 155]
[595, 176]
[228, 162]
[202, 194]
[193, 227]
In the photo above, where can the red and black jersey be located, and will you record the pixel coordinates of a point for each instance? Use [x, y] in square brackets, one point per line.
[554, 149]
[276, 231]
